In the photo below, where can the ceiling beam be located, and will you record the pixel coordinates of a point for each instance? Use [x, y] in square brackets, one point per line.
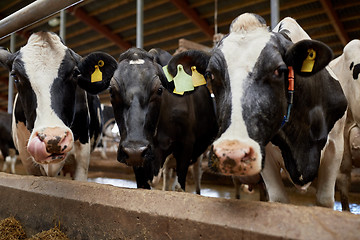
[96, 25]
[194, 16]
[335, 21]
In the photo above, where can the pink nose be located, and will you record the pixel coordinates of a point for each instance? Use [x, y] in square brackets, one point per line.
[236, 158]
[50, 145]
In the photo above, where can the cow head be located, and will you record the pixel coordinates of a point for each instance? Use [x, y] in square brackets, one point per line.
[44, 72]
[319, 104]
[136, 91]
[248, 73]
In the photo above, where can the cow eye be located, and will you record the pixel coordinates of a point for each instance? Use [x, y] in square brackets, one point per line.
[14, 76]
[159, 91]
[280, 71]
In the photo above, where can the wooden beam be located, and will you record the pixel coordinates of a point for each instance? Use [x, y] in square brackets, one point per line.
[194, 16]
[96, 25]
[335, 21]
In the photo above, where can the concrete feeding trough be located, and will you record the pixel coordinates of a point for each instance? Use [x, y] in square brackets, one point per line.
[95, 211]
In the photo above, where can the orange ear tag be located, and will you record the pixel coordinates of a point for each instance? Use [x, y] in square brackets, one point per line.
[197, 78]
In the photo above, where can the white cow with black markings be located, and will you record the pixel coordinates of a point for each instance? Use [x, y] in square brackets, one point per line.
[347, 68]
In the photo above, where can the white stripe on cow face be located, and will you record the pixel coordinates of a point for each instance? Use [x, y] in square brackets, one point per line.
[237, 153]
[241, 52]
[42, 57]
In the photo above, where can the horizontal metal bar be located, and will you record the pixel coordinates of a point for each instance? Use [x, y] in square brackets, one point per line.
[31, 14]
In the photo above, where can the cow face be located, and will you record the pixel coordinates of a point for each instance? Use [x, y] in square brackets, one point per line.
[248, 72]
[136, 92]
[44, 72]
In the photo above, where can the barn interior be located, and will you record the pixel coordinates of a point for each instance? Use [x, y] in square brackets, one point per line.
[112, 26]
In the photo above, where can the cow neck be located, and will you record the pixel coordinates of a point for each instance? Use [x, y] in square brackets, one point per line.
[290, 97]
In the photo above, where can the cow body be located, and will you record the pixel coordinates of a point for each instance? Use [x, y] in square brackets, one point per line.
[347, 68]
[54, 121]
[155, 123]
[6, 142]
[310, 145]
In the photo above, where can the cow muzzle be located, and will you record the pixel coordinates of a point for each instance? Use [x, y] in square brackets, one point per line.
[50, 145]
[133, 155]
[232, 157]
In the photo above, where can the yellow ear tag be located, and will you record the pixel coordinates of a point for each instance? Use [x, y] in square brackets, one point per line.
[176, 92]
[97, 74]
[309, 62]
[167, 74]
[197, 78]
[183, 81]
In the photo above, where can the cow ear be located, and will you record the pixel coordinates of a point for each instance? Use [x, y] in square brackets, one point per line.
[96, 71]
[307, 57]
[161, 57]
[6, 59]
[188, 59]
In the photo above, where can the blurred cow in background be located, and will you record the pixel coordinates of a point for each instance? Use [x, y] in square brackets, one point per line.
[6, 142]
[347, 68]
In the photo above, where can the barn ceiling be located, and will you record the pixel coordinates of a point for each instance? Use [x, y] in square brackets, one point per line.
[110, 25]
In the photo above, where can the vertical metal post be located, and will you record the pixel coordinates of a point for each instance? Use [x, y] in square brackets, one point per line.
[140, 23]
[275, 13]
[62, 25]
[11, 79]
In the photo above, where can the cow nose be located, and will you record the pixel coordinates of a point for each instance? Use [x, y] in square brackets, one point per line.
[48, 142]
[133, 156]
[237, 158]
[56, 140]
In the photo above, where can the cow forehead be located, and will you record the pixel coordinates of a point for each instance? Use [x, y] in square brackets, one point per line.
[42, 57]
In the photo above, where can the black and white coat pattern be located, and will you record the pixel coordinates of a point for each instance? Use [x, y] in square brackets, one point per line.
[54, 121]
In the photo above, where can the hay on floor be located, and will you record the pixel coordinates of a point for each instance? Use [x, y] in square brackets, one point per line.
[11, 229]
[53, 233]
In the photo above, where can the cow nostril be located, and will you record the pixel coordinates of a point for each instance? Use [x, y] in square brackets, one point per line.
[145, 151]
[122, 155]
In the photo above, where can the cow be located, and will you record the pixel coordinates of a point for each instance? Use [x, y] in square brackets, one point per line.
[248, 72]
[154, 122]
[55, 122]
[109, 133]
[6, 142]
[347, 68]
[310, 144]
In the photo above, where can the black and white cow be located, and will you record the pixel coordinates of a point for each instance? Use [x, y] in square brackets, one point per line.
[250, 80]
[311, 143]
[347, 68]
[54, 121]
[249, 77]
[153, 122]
[6, 142]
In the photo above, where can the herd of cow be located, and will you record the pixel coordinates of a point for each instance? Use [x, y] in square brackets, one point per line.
[280, 102]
